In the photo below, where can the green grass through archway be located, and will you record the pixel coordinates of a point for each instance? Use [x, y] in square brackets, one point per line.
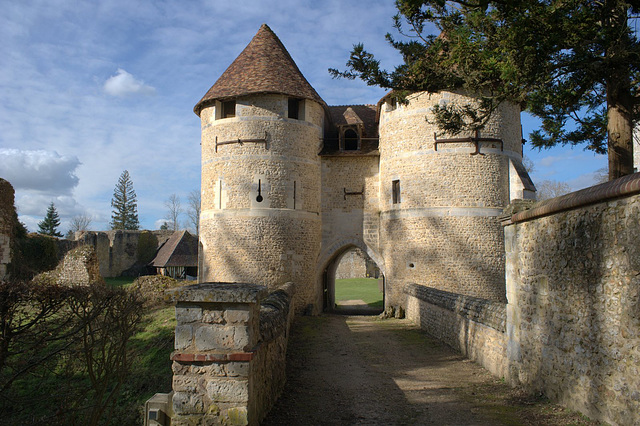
[365, 289]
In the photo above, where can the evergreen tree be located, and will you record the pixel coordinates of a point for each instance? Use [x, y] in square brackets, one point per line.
[573, 63]
[50, 223]
[124, 203]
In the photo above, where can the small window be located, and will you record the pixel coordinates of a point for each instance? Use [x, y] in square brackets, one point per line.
[294, 108]
[395, 191]
[228, 109]
[350, 140]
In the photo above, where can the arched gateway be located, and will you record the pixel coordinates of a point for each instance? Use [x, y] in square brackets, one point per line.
[289, 184]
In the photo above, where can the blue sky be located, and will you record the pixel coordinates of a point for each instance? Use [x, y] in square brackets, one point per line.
[89, 89]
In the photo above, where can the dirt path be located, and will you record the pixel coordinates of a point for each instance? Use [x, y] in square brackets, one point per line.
[348, 370]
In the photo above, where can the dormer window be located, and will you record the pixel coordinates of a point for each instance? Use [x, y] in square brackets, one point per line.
[225, 109]
[228, 109]
[350, 138]
[296, 109]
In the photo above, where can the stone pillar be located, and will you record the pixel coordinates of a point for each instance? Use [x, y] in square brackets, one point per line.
[7, 215]
[216, 340]
[513, 309]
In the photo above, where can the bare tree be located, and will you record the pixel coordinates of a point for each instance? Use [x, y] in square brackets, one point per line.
[173, 212]
[528, 164]
[601, 175]
[551, 189]
[194, 210]
[80, 222]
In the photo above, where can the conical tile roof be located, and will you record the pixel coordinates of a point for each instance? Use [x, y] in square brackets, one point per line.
[264, 66]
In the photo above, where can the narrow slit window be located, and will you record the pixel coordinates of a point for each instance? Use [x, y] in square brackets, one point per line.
[395, 191]
[294, 194]
[294, 108]
[228, 109]
[259, 198]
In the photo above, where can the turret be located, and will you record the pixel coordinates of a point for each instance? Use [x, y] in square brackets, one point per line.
[261, 132]
[441, 195]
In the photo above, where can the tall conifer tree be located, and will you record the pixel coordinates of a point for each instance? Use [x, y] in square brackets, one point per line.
[50, 223]
[125, 205]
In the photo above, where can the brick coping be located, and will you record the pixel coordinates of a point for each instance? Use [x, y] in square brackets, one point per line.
[212, 357]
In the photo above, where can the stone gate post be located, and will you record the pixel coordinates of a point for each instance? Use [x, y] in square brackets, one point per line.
[216, 339]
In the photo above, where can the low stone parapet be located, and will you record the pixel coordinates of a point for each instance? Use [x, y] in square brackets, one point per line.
[474, 326]
[230, 347]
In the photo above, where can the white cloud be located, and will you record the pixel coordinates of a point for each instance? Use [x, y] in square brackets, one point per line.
[124, 84]
[39, 170]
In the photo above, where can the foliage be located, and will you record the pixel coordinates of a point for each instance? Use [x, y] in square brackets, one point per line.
[193, 210]
[575, 64]
[152, 288]
[49, 225]
[32, 254]
[147, 247]
[173, 212]
[108, 318]
[64, 351]
[125, 205]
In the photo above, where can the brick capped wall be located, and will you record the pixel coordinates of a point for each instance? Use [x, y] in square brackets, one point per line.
[573, 284]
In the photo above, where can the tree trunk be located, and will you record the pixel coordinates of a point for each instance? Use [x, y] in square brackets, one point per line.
[620, 144]
[619, 99]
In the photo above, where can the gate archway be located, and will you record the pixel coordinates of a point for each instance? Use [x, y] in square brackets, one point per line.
[330, 263]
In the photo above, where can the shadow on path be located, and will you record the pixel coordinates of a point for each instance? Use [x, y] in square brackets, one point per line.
[361, 370]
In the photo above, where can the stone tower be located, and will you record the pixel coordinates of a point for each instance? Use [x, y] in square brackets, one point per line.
[441, 195]
[261, 132]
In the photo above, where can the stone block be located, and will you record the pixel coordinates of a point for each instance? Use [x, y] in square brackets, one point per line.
[237, 369]
[211, 337]
[183, 337]
[236, 316]
[188, 403]
[188, 313]
[211, 316]
[228, 390]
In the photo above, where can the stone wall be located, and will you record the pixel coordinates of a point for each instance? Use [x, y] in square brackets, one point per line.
[78, 267]
[116, 250]
[7, 219]
[573, 286]
[473, 326]
[230, 341]
[355, 263]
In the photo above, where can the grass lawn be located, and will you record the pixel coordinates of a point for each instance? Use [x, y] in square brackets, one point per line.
[359, 288]
[119, 281]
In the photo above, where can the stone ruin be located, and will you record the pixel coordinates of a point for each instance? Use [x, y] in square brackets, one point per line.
[78, 267]
[7, 217]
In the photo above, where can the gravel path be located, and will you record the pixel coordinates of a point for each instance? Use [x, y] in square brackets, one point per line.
[361, 370]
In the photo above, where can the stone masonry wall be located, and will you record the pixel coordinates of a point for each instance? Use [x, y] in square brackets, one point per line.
[353, 264]
[7, 218]
[79, 267]
[116, 250]
[475, 327]
[230, 358]
[573, 285]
